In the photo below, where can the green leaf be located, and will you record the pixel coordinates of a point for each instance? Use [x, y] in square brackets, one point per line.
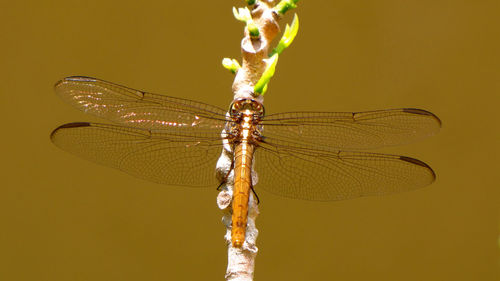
[261, 85]
[285, 5]
[288, 36]
[231, 65]
[242, 14]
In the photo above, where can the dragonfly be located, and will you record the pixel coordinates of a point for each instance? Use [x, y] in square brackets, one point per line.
[302, 155]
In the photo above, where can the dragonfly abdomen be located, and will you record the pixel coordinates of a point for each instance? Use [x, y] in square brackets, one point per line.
[242, 185]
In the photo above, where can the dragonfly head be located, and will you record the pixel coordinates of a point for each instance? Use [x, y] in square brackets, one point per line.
[244, 106]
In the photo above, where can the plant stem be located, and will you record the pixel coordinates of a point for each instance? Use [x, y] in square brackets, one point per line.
[255, 60]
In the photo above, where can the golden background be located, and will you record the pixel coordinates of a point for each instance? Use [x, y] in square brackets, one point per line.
[63, 218]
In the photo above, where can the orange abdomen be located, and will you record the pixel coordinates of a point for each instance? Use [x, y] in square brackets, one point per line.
[241, 192]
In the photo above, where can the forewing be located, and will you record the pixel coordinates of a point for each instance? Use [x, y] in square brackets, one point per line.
[346, 130]
[177, 157]
[302, 172]
[135, 108]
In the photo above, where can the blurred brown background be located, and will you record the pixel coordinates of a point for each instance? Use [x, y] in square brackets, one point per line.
[63, 218]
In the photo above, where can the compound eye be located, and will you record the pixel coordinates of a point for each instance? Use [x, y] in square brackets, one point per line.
[233, 108]
[237, 105]
[259, 108]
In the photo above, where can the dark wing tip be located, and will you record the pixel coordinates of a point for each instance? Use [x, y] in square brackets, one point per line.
[419, 163]
[422, 112]
[75, 78]
[69, 125]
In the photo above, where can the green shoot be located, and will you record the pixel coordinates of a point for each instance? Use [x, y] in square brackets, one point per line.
[261, 85]
[231, 65]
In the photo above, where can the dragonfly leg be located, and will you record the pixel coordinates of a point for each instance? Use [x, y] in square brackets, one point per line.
[218, 187]
[255, 193]
[227, 175]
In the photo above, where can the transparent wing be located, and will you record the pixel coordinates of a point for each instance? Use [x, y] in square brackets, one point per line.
[135, 108]
[303, 172]
[347, 130]
[179, 157]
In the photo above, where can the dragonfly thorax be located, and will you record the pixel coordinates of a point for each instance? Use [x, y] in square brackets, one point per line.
[246, 115]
